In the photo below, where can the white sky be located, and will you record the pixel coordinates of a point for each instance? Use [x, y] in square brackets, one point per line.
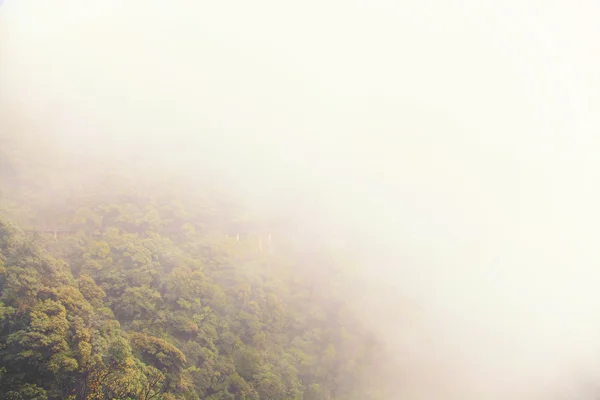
[465, 131]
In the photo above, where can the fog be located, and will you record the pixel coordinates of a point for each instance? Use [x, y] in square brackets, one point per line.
[456, 139]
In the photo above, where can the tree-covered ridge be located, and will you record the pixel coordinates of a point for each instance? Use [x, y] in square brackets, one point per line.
[147, 298]
[148, 294]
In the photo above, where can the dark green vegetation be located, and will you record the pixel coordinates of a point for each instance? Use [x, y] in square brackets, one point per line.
[117, 288]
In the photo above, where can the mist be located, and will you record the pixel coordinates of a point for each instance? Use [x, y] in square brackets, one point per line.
[457, 141]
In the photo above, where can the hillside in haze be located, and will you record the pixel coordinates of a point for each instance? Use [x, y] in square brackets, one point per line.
[132, 289]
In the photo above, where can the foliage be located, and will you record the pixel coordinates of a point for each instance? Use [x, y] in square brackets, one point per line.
[146, 293]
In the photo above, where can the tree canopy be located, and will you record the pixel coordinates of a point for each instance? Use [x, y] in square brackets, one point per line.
[136, 289]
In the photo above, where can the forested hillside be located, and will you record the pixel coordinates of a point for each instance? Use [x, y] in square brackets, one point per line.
[118, 285]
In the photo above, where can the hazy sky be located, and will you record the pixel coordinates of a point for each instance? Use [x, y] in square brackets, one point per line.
[462, 134]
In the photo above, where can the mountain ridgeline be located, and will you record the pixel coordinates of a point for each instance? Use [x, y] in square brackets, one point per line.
[128, 287]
